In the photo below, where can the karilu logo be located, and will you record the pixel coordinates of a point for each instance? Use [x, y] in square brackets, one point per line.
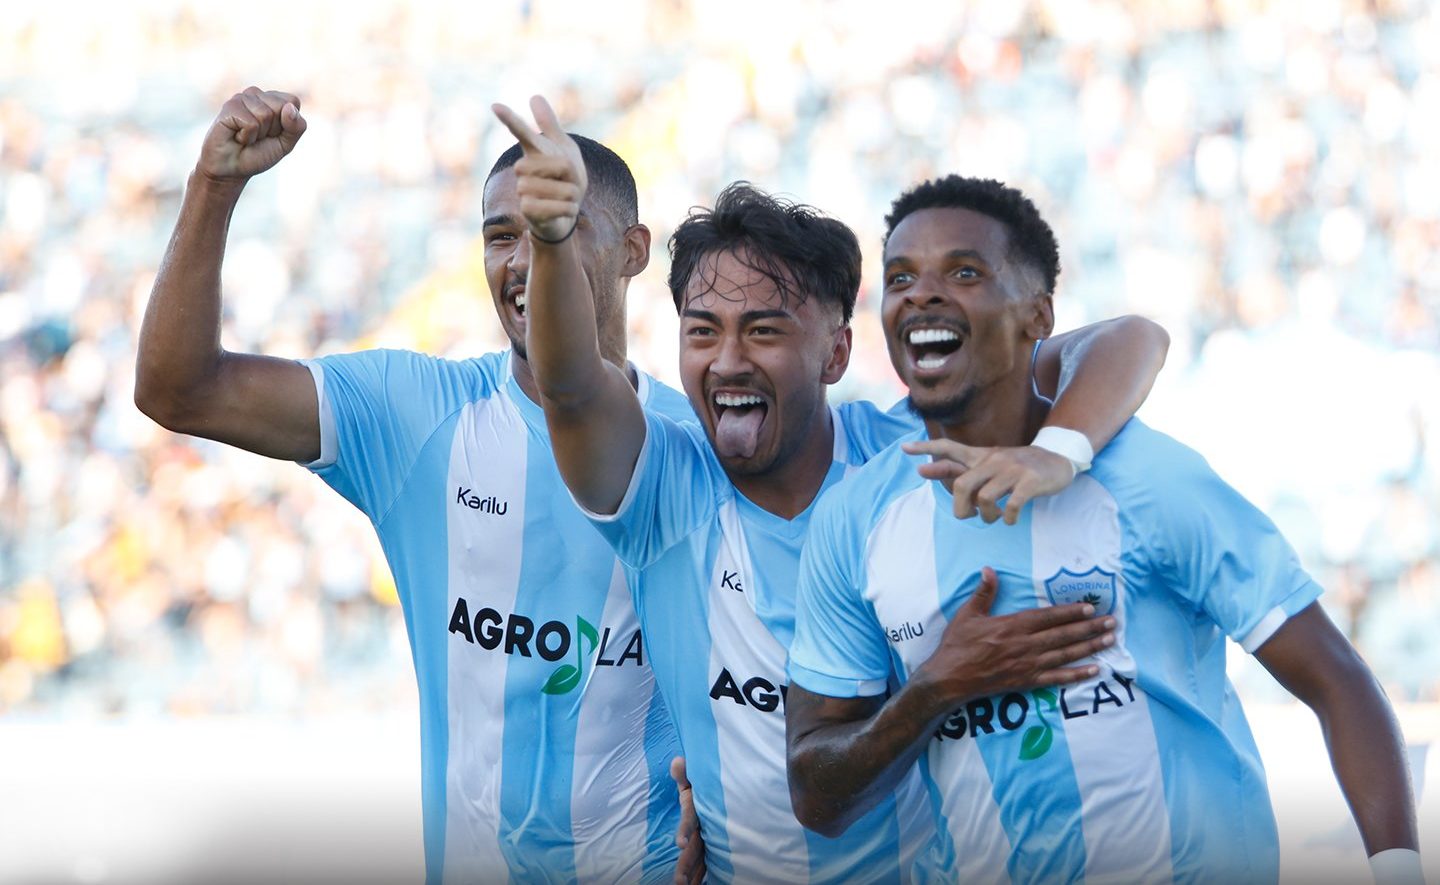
[467, 498]
[1011, 712]
[552, 641]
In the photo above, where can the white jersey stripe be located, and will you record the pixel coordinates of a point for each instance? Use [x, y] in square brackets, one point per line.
[610, 773]
[903, 543]
[767, 842]
[1125, 819]
[482, 549]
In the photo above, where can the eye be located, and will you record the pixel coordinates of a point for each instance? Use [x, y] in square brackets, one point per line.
[499, 236]
[765, 330]
[966, 272]
[899, 278]
[700, 332]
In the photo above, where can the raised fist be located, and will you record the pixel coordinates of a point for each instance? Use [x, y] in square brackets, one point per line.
[550, 178]
[253, 131]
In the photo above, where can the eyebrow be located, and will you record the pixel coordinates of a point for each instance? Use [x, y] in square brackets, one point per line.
[749, 316]
[502, 219]
[952, 255]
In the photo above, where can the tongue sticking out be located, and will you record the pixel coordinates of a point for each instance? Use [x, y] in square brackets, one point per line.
[737, 432]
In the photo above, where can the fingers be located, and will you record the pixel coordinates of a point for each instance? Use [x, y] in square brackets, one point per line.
[984, 596]
[988, 496]
[677, 772]
[531, 141]
[945, 472]
[1035, 620]
[545, 118]
[964, 489]
[947, 449]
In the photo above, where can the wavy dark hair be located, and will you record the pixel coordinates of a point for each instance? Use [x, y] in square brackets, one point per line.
[610, 180]
[802, 251]
[1032, 242]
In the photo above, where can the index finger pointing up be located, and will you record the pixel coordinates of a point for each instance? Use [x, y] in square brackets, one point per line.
[545, 118]
[530, 140]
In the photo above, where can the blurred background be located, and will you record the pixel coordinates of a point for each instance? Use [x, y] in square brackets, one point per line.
[1259, 177]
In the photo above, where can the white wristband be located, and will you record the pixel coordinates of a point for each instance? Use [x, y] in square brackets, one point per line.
[1397, 866]
[1072, 445]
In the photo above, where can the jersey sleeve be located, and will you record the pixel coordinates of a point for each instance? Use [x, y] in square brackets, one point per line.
[871, 431]
[377, 409]
[839, 648]
[672, 492]
[1215, 548]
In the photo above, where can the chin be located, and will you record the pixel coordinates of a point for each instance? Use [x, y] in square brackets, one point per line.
[936, 406]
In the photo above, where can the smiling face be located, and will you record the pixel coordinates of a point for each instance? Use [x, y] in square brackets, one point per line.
[602, 243]
[755, 363]
[961, 315]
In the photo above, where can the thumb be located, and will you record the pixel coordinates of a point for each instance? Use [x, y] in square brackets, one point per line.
[947, 450]
[984, 596]
[677, 771]
[292, 126]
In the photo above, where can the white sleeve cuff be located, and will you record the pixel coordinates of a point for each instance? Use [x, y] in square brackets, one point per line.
[329, 446]
[1397, 866]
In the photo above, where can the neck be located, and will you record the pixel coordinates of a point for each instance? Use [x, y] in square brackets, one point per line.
[789, 487]
[1008, 413]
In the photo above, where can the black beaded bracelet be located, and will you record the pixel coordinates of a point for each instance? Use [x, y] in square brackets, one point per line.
[559, 241]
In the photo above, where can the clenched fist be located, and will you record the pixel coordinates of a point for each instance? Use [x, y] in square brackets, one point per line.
[254, 130]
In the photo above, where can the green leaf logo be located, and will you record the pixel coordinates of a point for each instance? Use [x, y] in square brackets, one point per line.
[1036, 742]
[1047, 698]
[563, 680]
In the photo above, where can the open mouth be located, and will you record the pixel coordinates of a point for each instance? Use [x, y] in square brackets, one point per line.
[520, 301]
[931, 347]
[738, 419]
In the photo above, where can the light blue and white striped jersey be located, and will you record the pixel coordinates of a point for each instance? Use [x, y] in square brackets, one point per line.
[1146, 773]
[714, 582]
[545, 748]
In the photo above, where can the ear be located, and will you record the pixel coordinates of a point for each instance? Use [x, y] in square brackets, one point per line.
[839, 356]
[1041, 321]
[637, 250]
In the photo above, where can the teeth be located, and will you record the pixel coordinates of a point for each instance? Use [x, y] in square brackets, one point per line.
[520, 300]
[731, 400]
[932, 336]
[930, 361]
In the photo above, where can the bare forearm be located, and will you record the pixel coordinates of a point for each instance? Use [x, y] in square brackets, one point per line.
[1102, 374]
[562, 341]
[1367, 751]
[179, 347]
[838, 771]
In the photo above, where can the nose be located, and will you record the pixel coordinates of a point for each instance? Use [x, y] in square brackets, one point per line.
[520, 259]
[926, 292]
[731, 360]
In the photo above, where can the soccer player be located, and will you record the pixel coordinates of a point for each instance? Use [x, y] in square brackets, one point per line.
[545, 750]
[710, 517]
[1146, 772]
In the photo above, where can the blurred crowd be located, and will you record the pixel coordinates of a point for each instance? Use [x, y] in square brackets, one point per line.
[1259, 177]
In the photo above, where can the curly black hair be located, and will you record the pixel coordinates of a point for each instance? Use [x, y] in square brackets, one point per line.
[795, 246]
[610, 179]
[1031, 239]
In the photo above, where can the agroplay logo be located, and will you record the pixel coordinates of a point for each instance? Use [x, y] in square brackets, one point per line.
[1037, 714]
[550, 640]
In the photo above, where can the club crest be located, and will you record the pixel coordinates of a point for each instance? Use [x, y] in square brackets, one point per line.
[1096, 587]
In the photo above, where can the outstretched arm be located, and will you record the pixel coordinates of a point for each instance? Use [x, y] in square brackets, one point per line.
[596, 423]
[1103, 372]
[847, 753]
[1316, 663]
[184, 380]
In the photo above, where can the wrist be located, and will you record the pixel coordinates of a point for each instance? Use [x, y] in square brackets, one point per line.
[1397, 866]
[204, 184]
[1072, 445]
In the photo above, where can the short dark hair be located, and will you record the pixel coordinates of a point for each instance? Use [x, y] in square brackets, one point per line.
[802, 251]
[1031, 239]
[610, 180]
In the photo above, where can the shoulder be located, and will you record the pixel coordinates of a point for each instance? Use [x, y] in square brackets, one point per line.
[865, 493]
[659, 397]
[397, 370]
[1141, 458]
[868, 429]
